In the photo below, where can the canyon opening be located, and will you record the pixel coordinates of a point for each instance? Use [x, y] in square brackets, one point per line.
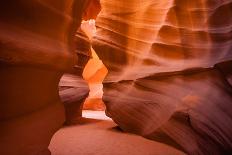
[161, 71]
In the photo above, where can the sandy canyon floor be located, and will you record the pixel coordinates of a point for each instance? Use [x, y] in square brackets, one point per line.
[96, 134]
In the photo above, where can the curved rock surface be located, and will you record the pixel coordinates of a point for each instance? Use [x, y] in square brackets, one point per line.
[36, 48]
[73, 89]
[94, 72]
[169, 70]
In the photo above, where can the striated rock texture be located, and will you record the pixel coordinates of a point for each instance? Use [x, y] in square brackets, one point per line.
[92, 10]
[94, 72]
[73, 89]
[169, 70]
[36, 48]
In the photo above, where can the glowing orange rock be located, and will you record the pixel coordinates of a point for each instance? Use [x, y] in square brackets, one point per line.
[164, 81]
[73, 88]
[94, 73]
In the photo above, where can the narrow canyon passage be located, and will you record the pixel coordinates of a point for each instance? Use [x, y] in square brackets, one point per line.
[94, 73]
[115, 77]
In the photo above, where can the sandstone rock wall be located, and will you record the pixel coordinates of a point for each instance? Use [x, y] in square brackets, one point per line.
[169, 70]
[36, 48]
[73, 89]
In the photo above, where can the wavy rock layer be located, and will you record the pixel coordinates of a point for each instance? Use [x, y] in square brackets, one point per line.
[73, 89]
[94, 72]
[36, 48]
[169, 69]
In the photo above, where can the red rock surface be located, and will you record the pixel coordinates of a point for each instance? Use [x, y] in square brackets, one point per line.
[36, 48]
[94, 73]
[73, 88]
[164, 79]
[168, 77]
[73, 91]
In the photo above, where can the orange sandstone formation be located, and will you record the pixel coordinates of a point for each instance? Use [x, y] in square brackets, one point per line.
[169, 70]
[169, 64]
[73, 89]
[36, 48]
[92, 10]
[94, 73]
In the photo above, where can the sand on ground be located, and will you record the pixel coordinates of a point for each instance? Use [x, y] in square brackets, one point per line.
[101, 136]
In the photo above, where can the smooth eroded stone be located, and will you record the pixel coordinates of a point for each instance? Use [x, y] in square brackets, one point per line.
[36, 48]
[73, 91]
[169, 70]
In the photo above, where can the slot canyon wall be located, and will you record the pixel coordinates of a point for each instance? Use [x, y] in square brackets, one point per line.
[94, 73]
[73, 89]
[37, 46]
[169, 70]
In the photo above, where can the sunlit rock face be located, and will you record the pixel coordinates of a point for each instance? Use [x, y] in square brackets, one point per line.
[37, 47]
[73, 88]
[94, 72]
[169, 70]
